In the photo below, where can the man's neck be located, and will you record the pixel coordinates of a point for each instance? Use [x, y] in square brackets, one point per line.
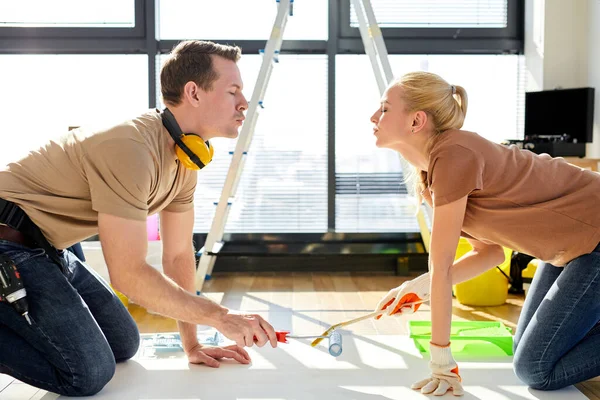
[181, 117]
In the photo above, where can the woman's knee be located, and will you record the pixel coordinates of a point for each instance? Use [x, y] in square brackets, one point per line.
[535, 374]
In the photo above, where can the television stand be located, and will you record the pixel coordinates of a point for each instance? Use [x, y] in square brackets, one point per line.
[556, 149]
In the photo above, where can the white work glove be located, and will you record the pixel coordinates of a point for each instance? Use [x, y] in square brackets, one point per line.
[415, 290]
[444, 373]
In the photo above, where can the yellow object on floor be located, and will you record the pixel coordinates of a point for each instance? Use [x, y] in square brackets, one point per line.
[121, 297]
[531, 268]
[528, 274]
[487, 289]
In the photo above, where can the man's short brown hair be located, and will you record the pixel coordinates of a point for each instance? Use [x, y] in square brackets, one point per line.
[192, 61]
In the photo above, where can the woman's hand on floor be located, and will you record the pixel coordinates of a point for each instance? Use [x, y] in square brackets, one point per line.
[444, 373]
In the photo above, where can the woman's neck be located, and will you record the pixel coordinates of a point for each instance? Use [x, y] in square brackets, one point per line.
[416, 153]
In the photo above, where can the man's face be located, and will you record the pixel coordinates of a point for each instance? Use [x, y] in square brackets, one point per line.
[222, 108]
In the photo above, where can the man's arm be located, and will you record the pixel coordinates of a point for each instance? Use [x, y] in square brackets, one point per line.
[179, 262]
[124, 244]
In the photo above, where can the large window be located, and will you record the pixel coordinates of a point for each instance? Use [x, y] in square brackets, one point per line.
[312, 165]
[495, 88]
[43, 95]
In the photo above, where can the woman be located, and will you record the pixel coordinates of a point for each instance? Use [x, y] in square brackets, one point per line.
[496, 196]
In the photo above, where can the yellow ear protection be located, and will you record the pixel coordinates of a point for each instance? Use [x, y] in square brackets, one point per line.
[191, 150]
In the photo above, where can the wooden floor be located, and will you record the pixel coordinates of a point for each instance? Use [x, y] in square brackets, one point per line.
[305, 303]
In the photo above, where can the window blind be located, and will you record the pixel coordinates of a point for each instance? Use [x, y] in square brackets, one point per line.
[68, 13]
[244, 19]
[437, 13]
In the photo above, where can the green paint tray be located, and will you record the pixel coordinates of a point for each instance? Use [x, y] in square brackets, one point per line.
[467, 338]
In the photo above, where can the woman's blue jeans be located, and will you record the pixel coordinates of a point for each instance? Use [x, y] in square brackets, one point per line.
[79, 330]
[557, 342]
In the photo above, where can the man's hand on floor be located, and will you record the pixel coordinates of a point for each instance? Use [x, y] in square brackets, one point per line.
[211, 355]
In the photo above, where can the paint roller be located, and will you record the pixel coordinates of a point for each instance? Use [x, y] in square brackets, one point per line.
[332, 328]
[335, 340]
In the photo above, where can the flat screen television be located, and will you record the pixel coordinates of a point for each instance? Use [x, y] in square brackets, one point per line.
[560, 112]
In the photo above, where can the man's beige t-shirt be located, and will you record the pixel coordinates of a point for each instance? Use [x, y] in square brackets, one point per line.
[129, 170]
[534, 204]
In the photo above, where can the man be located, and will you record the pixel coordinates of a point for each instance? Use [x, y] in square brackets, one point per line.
[108, 182]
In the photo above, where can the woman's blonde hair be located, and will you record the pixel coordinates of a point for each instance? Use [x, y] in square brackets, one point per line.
[445, 105]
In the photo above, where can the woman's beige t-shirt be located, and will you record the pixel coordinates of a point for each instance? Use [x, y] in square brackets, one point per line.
[534, 204]
[129, 170]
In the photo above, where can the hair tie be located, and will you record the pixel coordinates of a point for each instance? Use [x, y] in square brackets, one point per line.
[453, 89]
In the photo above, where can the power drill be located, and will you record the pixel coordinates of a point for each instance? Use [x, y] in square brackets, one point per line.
[11, 287]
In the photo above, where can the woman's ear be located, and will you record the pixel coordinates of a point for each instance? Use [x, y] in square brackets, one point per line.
[419, 121]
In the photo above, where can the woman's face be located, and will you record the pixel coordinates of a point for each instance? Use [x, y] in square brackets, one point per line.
[392, 123]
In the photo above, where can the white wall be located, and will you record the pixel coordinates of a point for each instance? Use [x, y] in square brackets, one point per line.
[593, 149]
[565, 43]
[534, 44]
[562, 49]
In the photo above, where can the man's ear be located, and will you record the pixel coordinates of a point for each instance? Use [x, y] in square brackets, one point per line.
[419, 121]
[191, 92]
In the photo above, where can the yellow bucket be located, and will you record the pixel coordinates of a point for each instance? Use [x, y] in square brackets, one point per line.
[487, 289]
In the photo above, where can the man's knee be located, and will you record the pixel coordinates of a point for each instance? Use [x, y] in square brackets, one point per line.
[91, 375]
[129, 349]
[126, 343]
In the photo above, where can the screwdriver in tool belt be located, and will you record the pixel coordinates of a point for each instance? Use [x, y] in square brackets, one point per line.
[11, 287]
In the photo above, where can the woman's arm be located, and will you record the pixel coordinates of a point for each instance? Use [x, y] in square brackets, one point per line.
[482, 258]
[445, 233]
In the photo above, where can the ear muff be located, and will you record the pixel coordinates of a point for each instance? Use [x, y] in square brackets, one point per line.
[203, 150]
[191, 150]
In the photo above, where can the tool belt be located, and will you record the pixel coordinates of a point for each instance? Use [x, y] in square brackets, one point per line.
[19, 228]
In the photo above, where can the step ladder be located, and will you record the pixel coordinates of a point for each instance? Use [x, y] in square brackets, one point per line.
[214, 239]
[378, 55]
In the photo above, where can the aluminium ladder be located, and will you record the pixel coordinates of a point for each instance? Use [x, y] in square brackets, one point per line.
[214, 243]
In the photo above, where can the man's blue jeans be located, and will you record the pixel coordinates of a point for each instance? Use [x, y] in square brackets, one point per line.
[557, 342]
[80, 327]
